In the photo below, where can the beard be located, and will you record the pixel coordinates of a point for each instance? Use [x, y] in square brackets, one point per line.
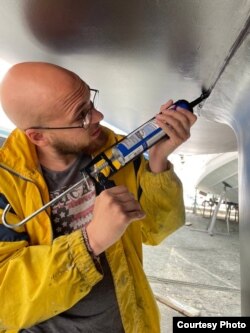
[75, 147]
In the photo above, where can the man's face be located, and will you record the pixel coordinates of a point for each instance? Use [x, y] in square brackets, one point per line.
[73, 107]
[79, 141]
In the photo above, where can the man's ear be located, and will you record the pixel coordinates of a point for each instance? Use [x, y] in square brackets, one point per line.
[36, 137]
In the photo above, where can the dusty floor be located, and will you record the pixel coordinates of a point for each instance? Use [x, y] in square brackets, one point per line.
[197, 269]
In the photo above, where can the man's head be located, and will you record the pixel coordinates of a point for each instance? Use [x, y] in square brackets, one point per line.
[37, 95]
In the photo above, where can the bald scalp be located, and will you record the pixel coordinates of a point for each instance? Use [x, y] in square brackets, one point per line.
[31, 92]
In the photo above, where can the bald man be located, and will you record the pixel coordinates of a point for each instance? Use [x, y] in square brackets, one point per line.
[77, 267]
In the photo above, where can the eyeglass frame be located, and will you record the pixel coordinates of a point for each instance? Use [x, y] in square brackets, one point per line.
[87, 116]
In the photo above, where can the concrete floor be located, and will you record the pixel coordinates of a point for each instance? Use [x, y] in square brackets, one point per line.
[197, 269]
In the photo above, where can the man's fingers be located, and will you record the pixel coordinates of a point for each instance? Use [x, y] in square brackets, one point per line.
[191, 117]
[136, 215]
[166, 105]
[179, 121]
[119, 195]
[120, 189]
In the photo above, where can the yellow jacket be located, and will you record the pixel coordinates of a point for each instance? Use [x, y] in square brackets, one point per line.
[41, 276]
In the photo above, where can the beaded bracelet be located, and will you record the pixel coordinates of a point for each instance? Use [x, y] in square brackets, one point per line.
[88, 246]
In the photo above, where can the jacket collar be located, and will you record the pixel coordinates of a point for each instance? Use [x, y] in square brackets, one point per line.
[19, 154]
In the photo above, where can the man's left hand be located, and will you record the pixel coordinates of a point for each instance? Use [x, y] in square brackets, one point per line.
[176, 123]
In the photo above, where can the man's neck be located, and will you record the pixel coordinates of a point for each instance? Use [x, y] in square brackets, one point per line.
[54, 161]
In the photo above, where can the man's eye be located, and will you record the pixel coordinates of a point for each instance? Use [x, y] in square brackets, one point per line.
[81, 115]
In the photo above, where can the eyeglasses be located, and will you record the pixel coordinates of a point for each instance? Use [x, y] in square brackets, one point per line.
[86, 116]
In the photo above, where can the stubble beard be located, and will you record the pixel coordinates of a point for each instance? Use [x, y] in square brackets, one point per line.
[75, 148]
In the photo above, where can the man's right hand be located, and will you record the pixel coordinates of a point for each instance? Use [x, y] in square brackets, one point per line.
[114, 209]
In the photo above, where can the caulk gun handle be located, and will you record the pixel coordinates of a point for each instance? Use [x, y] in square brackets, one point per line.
[182, 103]
[103, 183]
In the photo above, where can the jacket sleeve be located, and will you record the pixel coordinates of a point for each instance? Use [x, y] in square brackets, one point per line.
[38, 282]
[162, 201]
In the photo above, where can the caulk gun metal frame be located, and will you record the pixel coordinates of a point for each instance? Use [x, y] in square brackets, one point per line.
[96, 176]
[47, 205]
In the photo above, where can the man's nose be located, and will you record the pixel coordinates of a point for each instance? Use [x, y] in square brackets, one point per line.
[97, 116]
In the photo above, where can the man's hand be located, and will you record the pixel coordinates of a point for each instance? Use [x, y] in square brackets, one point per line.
[114, 210]
[176, 123]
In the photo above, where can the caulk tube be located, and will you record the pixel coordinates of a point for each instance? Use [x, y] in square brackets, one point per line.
[137, 142]
[142, 138]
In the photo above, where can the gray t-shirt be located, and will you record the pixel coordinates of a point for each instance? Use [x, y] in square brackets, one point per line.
[98, 311]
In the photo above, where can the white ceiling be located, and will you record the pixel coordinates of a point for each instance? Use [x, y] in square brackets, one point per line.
[139, 54]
